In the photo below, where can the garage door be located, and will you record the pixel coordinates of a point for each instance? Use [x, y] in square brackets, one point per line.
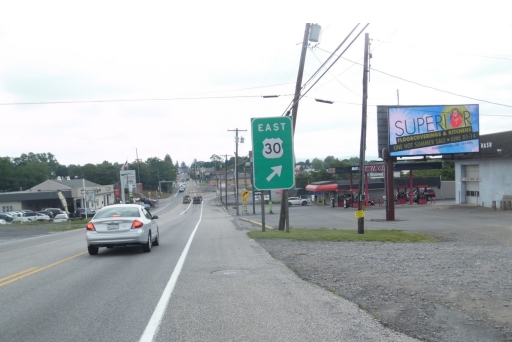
[472, 182]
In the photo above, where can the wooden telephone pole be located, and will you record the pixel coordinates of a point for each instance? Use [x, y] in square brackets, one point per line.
[360, 220]
[283, 215]
[236, 165]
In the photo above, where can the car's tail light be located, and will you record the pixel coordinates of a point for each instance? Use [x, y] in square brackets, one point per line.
[90, 226]
[137, 224]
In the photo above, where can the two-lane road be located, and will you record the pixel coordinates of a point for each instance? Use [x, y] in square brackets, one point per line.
[52, 290]
[206, 281]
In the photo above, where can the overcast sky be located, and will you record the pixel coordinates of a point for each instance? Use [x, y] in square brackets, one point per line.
[96, 81]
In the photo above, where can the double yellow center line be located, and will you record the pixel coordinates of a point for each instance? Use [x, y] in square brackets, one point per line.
[28, 272]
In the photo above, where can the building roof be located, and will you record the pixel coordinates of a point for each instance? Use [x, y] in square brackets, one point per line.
[30, 195]
[47, 190]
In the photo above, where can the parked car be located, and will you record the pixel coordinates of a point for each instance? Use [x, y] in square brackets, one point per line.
[429, 193]
[18, 216]
[186, 199]
[54, 211]
[30, 215]
[122, 225]
[61, 218]
[297, 201]
[81, 213]
[46, 212]
[43, 217]
[8, 218]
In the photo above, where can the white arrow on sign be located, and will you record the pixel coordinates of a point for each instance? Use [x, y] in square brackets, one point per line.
[277, 171]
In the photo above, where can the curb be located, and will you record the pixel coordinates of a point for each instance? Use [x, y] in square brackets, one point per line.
[256, 223]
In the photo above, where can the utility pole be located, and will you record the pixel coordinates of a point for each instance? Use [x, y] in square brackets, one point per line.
[252, 183]
[283, 215]
[360, 220]
[236, 164]
[226, 185]
[138, 163]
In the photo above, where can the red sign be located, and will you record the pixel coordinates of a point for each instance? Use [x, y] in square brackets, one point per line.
[117, 192]
[374, 168]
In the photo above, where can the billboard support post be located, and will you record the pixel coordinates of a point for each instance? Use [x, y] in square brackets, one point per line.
[389, 184]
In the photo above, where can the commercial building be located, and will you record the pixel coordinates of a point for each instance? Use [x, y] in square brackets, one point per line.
[78, 193]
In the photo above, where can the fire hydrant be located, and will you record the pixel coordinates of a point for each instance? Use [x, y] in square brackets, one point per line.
[270, 207]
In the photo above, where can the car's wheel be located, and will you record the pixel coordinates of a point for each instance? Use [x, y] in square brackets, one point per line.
[146, 248]
[305, 203]
[92, 250]
[157, 240]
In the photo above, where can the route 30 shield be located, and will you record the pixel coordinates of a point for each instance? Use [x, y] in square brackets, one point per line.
[272, 148]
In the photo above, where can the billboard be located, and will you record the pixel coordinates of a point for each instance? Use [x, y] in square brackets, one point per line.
[433, 130]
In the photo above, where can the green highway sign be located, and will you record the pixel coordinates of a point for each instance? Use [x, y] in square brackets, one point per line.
[272, 146]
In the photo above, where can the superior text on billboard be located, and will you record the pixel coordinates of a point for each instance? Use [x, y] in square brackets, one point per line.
[433, 130]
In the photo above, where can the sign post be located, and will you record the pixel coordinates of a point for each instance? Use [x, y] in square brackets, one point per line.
[272, 145]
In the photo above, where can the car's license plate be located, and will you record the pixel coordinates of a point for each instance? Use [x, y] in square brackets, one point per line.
[113, 226]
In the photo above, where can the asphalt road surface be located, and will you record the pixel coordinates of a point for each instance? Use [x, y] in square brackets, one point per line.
[207, 281]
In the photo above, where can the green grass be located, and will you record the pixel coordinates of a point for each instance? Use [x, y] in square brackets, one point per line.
[63, 226]
[337, 235]
[50, 226]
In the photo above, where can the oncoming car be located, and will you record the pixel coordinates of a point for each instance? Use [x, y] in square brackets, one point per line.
[297, 201]
[122, 225]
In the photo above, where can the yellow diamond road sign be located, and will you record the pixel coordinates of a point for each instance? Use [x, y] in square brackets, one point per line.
[359, 214]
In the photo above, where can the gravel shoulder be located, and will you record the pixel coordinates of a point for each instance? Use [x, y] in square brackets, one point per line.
[459, 289]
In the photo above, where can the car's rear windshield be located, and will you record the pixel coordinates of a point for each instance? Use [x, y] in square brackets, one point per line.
[118, 212]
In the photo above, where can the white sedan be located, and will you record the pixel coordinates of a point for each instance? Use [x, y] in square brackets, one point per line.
[42, 217]
[122, 225]
[297, 201]
[61, 218]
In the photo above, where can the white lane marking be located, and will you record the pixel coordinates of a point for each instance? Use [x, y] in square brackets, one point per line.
[156, 211]
[156, 319]
[183, 212]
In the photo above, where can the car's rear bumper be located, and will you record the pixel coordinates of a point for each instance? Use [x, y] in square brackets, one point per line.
[103, 239]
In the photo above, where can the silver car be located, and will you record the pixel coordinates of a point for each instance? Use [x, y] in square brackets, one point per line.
[297, 201]
[122, 225]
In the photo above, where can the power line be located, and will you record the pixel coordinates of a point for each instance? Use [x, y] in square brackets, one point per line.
[451, 51]
[349, 45]
[292, 104]
[370, 105]
[335, 78]
[134, 100]
[429, 87]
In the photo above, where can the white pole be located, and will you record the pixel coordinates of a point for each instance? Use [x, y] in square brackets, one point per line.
[85, 206]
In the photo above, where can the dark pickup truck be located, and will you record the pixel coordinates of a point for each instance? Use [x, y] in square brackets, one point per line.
[197, 199]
